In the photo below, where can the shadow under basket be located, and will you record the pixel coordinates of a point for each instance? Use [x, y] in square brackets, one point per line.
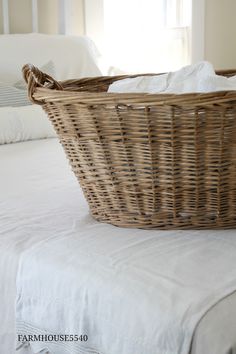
[147, 161]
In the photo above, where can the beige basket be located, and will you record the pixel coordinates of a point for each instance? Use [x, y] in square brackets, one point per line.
[146, 160]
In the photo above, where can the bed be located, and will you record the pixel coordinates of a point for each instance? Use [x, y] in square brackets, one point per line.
[109, 290]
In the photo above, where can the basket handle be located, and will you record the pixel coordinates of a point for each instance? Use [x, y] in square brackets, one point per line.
[36, 78]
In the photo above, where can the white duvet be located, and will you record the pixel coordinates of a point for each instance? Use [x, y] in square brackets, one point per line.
[130, 291]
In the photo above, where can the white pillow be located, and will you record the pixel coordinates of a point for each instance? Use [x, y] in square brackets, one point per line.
[24, 123]
[73, 56]
[11, 96]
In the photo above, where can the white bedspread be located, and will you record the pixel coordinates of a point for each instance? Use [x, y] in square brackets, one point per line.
[131, 291]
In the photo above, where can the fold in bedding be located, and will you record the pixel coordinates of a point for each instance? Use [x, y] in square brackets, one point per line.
[216, 332]
[129, 291]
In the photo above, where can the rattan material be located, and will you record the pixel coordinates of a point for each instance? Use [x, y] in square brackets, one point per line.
[146, 160]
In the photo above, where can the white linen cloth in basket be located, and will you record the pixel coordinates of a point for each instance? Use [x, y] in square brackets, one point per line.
[199, 77]
[131, 291]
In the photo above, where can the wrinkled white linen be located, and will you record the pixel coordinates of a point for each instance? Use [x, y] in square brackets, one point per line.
[24, 123]
[199, 77]
[131, 291]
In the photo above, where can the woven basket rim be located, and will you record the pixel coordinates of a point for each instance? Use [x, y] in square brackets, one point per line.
[48, 95]
[42, 88]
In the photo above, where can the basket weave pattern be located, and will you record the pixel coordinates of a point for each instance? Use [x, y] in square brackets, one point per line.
[146, 160]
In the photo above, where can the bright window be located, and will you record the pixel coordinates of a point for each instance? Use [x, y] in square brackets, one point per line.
[142, 35]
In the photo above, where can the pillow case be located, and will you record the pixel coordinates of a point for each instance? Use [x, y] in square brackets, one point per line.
[10, 96]
[24, 123]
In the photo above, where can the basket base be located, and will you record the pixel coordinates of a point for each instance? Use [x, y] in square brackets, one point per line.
[158, 222]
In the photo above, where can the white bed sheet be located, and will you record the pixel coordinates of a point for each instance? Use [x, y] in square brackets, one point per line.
[130, 291]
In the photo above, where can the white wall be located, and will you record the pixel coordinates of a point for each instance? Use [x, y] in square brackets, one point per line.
[220, 33]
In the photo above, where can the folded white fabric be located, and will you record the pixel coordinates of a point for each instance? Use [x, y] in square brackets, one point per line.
[24, 123]
[199, 77]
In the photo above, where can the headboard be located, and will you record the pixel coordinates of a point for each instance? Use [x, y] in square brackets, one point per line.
[44, 16]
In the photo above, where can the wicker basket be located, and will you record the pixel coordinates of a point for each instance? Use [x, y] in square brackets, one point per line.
[146, 160]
